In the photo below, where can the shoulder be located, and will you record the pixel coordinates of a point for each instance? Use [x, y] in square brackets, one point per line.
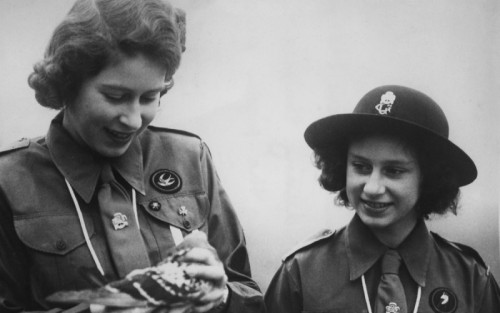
[23, 146]
[173, 132]
[175, 138]
[14, 146]
[311, 242]
[464, 252]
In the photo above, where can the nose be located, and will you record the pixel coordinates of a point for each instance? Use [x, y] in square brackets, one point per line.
[131, 116]
[374, 185]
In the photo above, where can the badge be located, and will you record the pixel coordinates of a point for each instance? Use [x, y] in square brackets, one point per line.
[392, 308]
[386, 102]
[155, 205]
[119, 221]
[443, 300]
[166, 181]
[182, 211]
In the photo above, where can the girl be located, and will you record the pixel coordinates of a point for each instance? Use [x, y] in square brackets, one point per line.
[103, 191]
[391, 161]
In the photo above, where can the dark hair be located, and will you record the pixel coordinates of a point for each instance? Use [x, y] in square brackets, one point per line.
[94, 33]
[439, 190]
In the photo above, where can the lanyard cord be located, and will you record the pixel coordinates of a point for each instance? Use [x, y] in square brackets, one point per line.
[176, 232]
[84, 228]
[365, 291]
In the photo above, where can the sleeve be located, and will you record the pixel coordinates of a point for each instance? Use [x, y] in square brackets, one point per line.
[283, 294]
[490, 297]
[226, 235]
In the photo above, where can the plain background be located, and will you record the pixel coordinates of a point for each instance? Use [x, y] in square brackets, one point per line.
[256, 73]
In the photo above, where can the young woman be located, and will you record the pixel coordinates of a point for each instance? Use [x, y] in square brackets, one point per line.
[103, 192]
[391, 161]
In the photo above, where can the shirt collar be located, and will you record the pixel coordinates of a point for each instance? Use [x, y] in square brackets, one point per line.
[364, 249]
[415, 251]
[82, 167]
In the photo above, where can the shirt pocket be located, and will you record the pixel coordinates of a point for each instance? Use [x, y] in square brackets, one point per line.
[52, 234]
[186, 212]
[56, 248]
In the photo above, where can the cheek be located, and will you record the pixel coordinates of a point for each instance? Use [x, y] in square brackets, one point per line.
[148, 114]
[353, 184]
[353, 180]
[411, 191]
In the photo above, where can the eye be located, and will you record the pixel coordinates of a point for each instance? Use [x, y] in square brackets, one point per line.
[115, 97]
[395, 171]
[149, 98]
[361, 167]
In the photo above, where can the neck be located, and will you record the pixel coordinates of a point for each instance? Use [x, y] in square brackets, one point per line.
[392, 236]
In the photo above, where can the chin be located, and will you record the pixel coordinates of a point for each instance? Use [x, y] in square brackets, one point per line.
[374, 222]
[108, 152]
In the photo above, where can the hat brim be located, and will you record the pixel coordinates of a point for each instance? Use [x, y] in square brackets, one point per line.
[334, 130]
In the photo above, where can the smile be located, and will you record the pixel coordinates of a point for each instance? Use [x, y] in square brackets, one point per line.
[120, 136]
[375, 205]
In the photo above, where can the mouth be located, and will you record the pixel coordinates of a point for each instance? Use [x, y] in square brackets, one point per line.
[379, 206]
[119, 136]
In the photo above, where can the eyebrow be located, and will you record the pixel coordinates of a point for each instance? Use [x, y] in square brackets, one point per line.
[122, 88]
[389, 161]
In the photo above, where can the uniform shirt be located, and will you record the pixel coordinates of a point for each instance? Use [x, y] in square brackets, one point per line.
[42, 244]
[325, 275]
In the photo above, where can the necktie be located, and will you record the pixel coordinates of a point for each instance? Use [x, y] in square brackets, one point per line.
[121, 228]
[390, 294]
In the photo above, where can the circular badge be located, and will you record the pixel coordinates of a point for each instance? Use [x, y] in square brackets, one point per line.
[166, 181]
[443, 300]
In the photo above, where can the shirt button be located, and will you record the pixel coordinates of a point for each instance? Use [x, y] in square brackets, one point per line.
[154, 206]
[186, 224]
[60, 245]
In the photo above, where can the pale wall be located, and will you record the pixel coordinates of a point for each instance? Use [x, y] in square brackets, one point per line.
[256, 73]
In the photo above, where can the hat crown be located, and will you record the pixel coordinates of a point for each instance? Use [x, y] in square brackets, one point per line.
[405, 104]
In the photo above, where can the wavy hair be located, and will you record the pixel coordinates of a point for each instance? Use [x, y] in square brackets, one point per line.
[94, 33]
[439, 191]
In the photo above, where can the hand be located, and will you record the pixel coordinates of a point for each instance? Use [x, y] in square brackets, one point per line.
[97, 308]
[205, 264]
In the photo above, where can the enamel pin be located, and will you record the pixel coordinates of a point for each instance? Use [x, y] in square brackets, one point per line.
[119, 221]
[392, 308]
[166, 181]
[443, 300]
[182, 211]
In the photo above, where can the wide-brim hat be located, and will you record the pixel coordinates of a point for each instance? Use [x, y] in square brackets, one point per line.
[399, 110]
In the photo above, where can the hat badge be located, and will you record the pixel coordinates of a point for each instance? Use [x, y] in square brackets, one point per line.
[386, 102]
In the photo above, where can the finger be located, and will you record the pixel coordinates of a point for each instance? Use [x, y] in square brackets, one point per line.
[214, 299]
[195, 239]
[201, 255]
[211, 273]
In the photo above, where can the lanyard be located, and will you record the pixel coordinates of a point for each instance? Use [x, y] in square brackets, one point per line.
[367, 299]
[176, 232]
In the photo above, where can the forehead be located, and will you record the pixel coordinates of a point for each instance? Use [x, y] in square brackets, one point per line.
[382, 147]
[136, 70]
